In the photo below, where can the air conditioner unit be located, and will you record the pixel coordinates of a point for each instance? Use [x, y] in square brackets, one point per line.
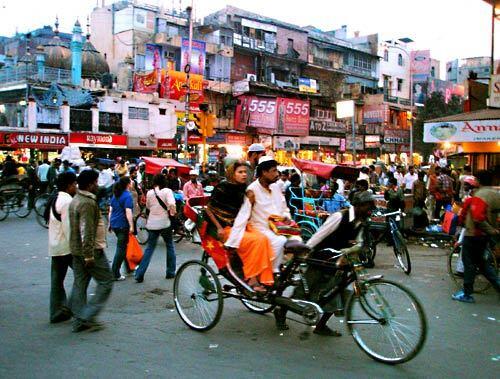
[252, 77]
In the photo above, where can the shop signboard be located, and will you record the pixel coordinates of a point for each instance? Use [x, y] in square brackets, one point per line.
[293, 117]
[240, 87]
[142, 143]
[286, 143]
[308, 85]
[26, 140]
[495, 91]
[320, 142]
[167, 144]
[396, 136]
[372, 141]
[375, 114]
[237, 139]
[198, 56]
[342, 144]
[322, 123]
[255, 111]
[359, 143]
[109, 141]
[462, 131]
[374, 129]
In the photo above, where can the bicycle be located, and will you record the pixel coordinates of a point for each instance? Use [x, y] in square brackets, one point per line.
[456, 269]
[14, 200]
[39, 206]
[389, 230]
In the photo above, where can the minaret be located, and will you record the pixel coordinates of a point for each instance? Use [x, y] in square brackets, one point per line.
[76, 55]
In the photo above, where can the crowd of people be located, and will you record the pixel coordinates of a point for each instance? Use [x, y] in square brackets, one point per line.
[250, 211]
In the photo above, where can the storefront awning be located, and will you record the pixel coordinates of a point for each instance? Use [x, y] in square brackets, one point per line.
[155, 165]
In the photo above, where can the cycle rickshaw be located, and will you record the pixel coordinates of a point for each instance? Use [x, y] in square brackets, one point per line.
[309, 205]
[385, 319]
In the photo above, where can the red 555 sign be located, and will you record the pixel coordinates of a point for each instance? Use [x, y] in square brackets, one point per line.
[293, 117]
[261, 112]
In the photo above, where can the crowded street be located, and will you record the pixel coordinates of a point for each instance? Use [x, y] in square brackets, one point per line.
[144, 337]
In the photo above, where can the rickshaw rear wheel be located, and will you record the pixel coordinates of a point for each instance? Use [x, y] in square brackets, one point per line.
[198, 295]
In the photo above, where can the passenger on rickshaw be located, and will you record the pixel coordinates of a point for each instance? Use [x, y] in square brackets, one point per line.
[254, 249]
[293, 194]
[264, 199]
[343, 230]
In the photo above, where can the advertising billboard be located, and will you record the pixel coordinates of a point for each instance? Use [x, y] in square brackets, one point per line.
[198, 56]
[462, 131]
[376, 114]
[420, 65]
[308, 85]
[153, 57]
[293, 116]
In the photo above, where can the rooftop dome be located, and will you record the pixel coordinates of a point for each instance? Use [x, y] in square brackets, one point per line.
[93, 63]
[58, 54]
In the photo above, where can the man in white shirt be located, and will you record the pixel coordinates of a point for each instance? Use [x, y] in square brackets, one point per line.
[399, 175]
[141, 173]
[363, 174]
[42, 172]
[61, 258]
[264, 198]
[283, 181]
[410, 178]
[105, 182]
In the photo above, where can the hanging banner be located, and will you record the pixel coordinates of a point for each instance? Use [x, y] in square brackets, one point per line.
[198, 56]
[293, 117]
[153, 56]
[146, 83]
[174, 87]
[41, 141]
[462, 131]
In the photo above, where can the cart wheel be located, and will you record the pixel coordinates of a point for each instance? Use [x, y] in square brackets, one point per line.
[307, 230]
[23, 209]
[4, 210]
[257, 306]
[142, 232]
[198, 295]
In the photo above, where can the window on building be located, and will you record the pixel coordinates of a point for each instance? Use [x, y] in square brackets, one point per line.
[290, 43]
[361, 61]
[135, 113]
[433, 71]
[386, 55]
[400, 59]
[400, 85]
[162, 111]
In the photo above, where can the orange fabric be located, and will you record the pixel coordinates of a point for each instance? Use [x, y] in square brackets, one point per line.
[256, 253]
[134, 252]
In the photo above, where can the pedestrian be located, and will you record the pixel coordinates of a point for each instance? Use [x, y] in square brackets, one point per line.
[52, 173]
[161, 205]
[173, 180]
[479, 216]
[410, 178]
[121, 222]
[255, 152]
[87, 244]
[399, 175]
[444, 192]
[192, 188]
[394, 196]
[31, 171]
[59, 251]
[136, 191]
[374, 179]
[364, 174]
[42, 173]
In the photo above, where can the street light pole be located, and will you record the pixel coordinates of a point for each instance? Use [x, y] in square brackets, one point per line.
[187, 69]
[353, 138]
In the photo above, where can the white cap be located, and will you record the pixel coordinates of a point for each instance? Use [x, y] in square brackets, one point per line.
[256, 147]
[266, 158]
[194, 172]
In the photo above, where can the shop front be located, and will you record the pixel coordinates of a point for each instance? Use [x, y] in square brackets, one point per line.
[37, 145]
[474, 136]
[97, 145]
[232, 145]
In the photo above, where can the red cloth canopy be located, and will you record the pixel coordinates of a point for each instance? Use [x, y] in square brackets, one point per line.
[325, 170]
[155, 165]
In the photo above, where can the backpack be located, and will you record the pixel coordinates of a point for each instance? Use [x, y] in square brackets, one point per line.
[51, 206]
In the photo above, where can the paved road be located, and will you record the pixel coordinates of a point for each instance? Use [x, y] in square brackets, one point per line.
[144, 337]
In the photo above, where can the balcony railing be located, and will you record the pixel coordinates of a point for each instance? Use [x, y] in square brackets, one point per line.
[396, 100]
[22, 74]
[110, 122]
[80, 120]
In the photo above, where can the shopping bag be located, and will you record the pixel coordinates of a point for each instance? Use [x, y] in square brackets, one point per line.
[134, 252]
[450, 222]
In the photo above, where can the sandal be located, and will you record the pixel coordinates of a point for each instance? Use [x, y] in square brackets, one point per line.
[256, 286]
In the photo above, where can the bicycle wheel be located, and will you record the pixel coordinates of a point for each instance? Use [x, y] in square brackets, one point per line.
[307, 230]
[23, 209]
[386, 321]
[40, 203]
[4, 208]
[142, 232]
[198, 295]
[456, 271]
[257, 307]
[401, 252]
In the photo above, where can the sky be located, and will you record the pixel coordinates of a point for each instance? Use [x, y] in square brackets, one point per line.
[449, 28]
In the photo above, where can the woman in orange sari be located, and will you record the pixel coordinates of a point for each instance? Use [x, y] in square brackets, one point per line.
[255, 249]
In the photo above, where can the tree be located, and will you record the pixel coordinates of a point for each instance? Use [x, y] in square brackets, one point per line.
[435, 106]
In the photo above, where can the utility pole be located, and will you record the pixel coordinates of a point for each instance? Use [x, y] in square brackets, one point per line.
[493, 16]
[187, 69]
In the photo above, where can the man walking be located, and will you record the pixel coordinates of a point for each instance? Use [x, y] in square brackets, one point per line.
[42, 172]
[61, 258]
[87, 244]
[479, 214]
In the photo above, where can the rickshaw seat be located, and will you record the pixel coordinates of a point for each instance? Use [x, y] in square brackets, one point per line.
[295, 247]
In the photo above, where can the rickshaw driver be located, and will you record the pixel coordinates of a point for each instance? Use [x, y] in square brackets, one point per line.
[343, 230]
[263, 199]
